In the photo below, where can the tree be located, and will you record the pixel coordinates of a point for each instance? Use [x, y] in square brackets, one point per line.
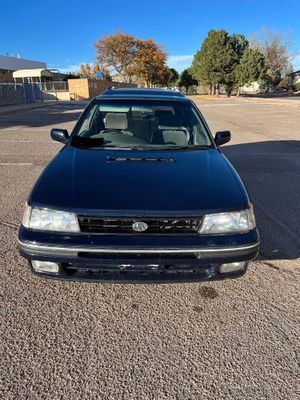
[251, 67]
[186, 80]
[85, 71]
[117, 52]
[214, 61]
[173, 76]
[149, 62]
[167, 77]
[88, 71]
[132, 58]
[96, 68]
[239, 44]
[276, 50]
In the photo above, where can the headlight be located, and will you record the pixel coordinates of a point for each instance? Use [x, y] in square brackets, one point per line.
[229, 222]
[49, 220]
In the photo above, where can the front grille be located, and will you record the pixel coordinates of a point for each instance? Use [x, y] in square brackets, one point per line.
[154, 225]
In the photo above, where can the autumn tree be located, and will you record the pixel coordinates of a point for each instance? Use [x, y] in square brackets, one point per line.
[132, 58]
[90, 71]
[117, 52]
[150, 62]
[97, 68]
[85, 71]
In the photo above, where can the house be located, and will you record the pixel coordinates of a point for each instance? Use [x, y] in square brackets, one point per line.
[36, 75]
[295, 76]
[10, 64]
[250, 88]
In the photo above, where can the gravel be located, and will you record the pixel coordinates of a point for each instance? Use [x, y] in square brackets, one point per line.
[236, 339]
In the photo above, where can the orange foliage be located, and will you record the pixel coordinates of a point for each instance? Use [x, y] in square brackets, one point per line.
[134, 59]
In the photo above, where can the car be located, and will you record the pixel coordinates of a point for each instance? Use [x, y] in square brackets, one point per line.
[140, 192]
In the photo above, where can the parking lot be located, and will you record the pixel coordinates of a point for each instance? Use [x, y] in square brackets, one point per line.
[234, 339]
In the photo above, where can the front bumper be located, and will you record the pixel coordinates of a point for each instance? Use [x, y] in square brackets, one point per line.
[97, 257]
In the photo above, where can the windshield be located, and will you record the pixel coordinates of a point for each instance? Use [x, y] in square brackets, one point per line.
[141, 124]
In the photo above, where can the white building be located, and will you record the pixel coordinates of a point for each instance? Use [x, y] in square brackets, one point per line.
[10, 64]
[250, 88]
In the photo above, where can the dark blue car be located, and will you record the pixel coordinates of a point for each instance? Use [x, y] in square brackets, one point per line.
[139, 192]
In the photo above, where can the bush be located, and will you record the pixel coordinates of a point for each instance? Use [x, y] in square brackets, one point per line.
[297, 86]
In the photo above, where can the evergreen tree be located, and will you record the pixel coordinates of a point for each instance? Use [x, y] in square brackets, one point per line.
[251, 67]
[173, 76]
[214, 60]
[186, 80]
[239, 44]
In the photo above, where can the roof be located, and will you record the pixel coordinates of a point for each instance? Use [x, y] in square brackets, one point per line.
[142, 93]
[15, 63]
[31, 73]
[294, 73]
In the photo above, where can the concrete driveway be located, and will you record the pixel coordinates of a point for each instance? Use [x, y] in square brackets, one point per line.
[237, 339]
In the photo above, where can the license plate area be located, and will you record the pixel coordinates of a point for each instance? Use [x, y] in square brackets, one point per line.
[139, 272]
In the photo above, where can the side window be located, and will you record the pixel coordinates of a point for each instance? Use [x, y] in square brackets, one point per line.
[198, 129]
[85, 129]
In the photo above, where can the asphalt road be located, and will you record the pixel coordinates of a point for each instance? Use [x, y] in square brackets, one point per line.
[236, 339]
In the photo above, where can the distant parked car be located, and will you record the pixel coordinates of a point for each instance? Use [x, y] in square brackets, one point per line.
[140, 191]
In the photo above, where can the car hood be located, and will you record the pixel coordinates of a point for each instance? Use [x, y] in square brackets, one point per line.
[187, 182]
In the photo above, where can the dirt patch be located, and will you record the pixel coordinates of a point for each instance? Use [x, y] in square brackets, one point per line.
[208, 292]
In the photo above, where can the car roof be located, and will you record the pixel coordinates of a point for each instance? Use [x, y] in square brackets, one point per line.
[142, 93]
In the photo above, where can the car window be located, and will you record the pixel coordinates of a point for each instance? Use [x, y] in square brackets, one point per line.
[143, 123]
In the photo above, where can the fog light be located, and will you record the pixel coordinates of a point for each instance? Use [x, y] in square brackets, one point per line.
[45, 266]
[232, 267]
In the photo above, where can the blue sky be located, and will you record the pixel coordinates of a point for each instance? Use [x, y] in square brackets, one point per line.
[62, 33]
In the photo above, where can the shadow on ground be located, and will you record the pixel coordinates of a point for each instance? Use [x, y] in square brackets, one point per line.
[271, 173]
[41, 117]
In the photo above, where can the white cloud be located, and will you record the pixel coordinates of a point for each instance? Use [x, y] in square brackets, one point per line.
[180, 62]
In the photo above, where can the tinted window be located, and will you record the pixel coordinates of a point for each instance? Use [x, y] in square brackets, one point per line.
[143, 123]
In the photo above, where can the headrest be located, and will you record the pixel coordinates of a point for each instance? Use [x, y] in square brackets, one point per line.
[166, 117]
[116, 121]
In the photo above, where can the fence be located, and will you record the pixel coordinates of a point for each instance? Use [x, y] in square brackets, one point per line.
[55, 86]
[55, 90]
[19, 93]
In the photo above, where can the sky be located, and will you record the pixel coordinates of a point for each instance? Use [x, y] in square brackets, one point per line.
[62, 32]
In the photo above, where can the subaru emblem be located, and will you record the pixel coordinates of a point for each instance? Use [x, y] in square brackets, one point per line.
[139, 226]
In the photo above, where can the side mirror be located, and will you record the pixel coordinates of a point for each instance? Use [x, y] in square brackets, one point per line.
[60, 135]
[222, 137]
